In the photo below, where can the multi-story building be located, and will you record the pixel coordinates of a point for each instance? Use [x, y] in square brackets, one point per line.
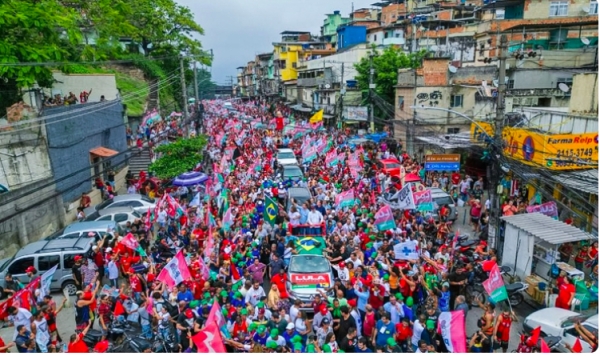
[330, 26]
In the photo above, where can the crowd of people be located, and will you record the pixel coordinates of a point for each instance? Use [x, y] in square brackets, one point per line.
[238, 255]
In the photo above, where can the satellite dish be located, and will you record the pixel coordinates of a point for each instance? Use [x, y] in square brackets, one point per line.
[327, 86]
[495, 82]
[585, 41]
[586, 10]
[563, 87]
[452, 68]
[484, 83]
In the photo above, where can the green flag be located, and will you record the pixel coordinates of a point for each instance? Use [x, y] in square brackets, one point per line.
[271, 210]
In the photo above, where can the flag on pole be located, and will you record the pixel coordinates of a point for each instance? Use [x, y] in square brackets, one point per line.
[384, 219]
[331, 159]
[317, 117]
[577, 348]
[209, 340]
[228, 219]
[149, 219]
[494, 285]
[451, 325]
[406, 250]
[175, 271]
[345, 199]
[46, 281]
[130, 242]
[544, 347]
[271, 210]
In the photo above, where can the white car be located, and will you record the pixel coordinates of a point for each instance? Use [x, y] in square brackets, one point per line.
[137, 202]
[286, 156]
[119, 215]
[561, 322]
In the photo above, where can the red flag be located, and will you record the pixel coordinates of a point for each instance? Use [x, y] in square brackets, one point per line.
[209, 340]
[119, 310]
[545, 349]
[148, 222]
[535, 335]
[130, 242]
[577, 346]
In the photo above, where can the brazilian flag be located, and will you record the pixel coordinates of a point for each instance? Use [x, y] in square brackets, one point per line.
[310, 245]
[271, 211]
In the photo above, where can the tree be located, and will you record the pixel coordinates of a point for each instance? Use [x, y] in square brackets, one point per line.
[178, 157]
[386, 65]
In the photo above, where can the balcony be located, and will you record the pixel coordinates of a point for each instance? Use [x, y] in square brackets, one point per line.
[310, 82]
[397, 41]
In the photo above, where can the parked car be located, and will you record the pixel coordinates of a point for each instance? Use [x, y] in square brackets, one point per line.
[561, 322]
[440, 197]
[306, 275]
[119, 215]
[137, 202]
[43, 255]
[291, 172]
[300, 196]
[88, 229]
[391, 166]
[286, 156]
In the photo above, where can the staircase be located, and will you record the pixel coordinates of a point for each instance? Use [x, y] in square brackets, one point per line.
[139, 161]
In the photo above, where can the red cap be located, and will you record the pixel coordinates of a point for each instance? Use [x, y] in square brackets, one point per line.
[30, 269]
[150, 277]
[483, 243]
[342, 265]
[352, 303]
[324, 310]
[189, 313]
[101, 347]
[131, 270]
[77, 258]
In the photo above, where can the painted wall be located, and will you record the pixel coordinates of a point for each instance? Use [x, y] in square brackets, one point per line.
[584, 95]
[69, 143]
[289, 54]
[351, 35]
[24, 157]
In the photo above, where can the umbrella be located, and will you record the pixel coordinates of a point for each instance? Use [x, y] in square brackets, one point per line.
[190, 178]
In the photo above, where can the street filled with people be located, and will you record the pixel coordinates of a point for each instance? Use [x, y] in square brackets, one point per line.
[302, 238]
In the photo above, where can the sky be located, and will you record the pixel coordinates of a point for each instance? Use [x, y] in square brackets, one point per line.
[238, 30]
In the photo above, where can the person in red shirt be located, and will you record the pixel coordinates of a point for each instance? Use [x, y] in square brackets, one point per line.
[502, 329]
[566, 293]
[135, 282]
[369, 322]
[455, 178]
[377, 294]
[76, 343]
[280, 280]
[403, 334]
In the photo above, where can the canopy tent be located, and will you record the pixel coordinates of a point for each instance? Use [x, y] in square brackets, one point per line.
[189, 179]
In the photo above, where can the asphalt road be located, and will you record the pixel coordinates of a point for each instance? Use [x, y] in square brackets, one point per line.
[66, 318]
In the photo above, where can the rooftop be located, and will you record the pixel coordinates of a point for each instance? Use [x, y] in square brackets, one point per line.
[295, 32]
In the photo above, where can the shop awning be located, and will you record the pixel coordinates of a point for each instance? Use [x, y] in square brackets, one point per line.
[546, 228]
[103, 152]
[583, 181]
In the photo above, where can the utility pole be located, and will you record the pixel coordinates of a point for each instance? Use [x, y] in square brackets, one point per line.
[371, 87]
[497, 148]
[342, 93]
[196, 84]
[183, 89]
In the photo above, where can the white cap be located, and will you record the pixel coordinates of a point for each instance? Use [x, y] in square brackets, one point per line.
[94, 247]
[109, 249]
[290, 326]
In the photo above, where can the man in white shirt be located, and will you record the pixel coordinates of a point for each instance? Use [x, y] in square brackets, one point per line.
[255, 294]
[19, 316]
[315, 219]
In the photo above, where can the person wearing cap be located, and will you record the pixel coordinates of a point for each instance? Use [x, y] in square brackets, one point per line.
[261, 336]
[319, 317]
[392, 346]
[291, 336]
[323, 330]
[275, 337]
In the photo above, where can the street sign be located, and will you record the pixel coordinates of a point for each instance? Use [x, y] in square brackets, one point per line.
[443, 166]
[443, 158]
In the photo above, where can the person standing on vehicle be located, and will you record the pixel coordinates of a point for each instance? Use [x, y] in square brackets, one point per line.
[502, 329]
[76, 271]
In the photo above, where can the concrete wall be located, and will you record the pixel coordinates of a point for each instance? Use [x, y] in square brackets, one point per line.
[584, 94]
[18, 227]
[352, 55]
[70, 142]
[24, 158]
[101, 84]
[540, 9]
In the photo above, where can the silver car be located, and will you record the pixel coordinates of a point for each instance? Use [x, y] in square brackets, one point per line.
[137, 202]
[119, 215]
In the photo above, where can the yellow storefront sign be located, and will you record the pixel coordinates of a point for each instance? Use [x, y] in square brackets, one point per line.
[555, 152]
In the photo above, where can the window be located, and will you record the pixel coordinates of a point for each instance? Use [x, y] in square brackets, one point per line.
[19, 266]
[47, 262]
[453, 130]
[121, 217]
[401, 102]
[105, 218]
[456, 101]
[510, 84]
[559, 8]
[593, 7]
[68, 261]
[567, 81]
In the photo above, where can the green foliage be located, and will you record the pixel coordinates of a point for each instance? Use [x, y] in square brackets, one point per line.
[178, 157]
[134, 92]
[386, 65]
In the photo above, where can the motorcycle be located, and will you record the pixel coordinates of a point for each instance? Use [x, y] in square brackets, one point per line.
[118, 332]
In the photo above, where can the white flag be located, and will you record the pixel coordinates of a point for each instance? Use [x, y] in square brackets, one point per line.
[406, 250]
[46, 281]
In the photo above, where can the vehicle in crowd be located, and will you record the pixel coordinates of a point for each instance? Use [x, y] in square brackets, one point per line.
[440, 198]
[137, 202]
[88, 229]
[291, 171]
[286, 156]
[306, 275]
[391, 166]
[119, 215]
[561, 322]
[43, 255]
[299, 195]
